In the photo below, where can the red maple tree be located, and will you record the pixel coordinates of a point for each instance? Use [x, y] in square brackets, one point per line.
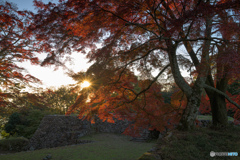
[126, 99]
[16, 46]
[144, 35]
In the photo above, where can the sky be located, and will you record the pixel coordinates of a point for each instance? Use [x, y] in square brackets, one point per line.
[47, 75]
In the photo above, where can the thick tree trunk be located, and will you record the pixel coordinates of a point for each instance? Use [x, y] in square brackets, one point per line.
[190, 113]
[189, 116]
[218, 104]
[219, 111]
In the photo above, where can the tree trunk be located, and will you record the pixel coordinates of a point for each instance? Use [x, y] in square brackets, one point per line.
[219, 111]
[189, 116]
[190, 113]
[218, 104]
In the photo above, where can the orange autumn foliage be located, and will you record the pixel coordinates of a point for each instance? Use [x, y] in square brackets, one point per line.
[121, 101]
[137, 35]
[16, 45]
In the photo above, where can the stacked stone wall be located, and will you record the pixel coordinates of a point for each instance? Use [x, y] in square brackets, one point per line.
[55, 130]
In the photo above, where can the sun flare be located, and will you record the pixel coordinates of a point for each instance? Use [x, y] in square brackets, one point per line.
[85, 84]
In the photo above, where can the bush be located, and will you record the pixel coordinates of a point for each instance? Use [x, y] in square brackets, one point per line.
[24, 123]
[4, 134]
[13, 144]
[11, 125]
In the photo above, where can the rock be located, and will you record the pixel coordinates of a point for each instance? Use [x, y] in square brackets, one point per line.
[48, 157]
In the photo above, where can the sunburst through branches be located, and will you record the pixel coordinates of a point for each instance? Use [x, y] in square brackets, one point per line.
[85, 84]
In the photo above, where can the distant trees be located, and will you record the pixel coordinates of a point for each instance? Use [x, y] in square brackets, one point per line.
[61, 98]
[50, 99]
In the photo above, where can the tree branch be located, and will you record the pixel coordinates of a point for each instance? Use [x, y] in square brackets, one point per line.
[130, 23]
[132, 61]
[153, 81]
[223, 94]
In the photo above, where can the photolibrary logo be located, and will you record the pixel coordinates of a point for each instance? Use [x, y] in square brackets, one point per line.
[213, 154]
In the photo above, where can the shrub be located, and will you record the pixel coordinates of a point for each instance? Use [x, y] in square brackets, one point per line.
[24, 123]
[13, 144]
[11, 125]
[4, 134]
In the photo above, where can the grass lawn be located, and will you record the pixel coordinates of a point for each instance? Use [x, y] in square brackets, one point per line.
[209, 117]
[104, 147]
[194, 145]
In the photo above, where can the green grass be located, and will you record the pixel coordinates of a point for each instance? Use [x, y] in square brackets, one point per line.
[194, 145]
[104, 147]
[198, 144]
[209, 117]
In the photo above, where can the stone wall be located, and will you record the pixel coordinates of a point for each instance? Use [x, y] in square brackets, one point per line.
[55, 131]
[105, 127]
[58, 130]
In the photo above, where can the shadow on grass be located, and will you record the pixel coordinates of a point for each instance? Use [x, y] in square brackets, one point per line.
[104, 147]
